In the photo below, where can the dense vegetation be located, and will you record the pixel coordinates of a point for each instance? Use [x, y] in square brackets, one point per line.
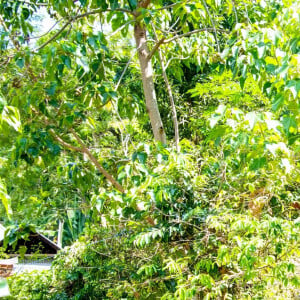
[164, 136]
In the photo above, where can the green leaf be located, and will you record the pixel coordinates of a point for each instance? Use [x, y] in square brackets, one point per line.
[288, 123]
[258, 163]
[51, 89]
[218, 115]
[252, 117]
[282, 70]
[66, 60]
[11, 116]
[216, 134]
[83, 2]
[114, 4]
[20, 62]
[92, 42]
[79, 36]
[142, 157]
[261, 49]
[5, 198]
[277, 102]
[132, 4]
[242, 82]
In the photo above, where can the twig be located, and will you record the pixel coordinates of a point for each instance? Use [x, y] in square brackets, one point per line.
[74, 18]
[172, 58]
[123, 73]
[120, 28]
[170, 28]
[212, 23]
[53, 37]
[39, 36]
[190, 33]
[169, 6]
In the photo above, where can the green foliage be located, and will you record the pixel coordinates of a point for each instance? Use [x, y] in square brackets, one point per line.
[218, 219]
[35, 285]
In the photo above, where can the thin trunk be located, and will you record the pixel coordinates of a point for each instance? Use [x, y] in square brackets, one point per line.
[174, 113]
[170, 94]
[60, 233]
[148, 84]
[93, 159]
[84, 149]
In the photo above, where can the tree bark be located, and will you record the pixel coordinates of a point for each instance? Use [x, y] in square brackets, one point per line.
[148, 84]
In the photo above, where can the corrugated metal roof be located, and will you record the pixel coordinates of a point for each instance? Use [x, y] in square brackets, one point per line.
[48, 241]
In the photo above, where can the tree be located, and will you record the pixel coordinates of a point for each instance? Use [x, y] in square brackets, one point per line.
[122, 15]
[218, 218]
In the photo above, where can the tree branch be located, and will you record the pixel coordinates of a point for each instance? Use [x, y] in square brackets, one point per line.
[156, 46]
[75, 18]
[169, 6]
[190, 33]
[53, 37]
[212, 22]
[123, 73]
[94, 160]
[65, 144]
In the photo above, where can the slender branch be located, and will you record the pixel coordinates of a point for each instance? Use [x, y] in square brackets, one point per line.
[53, 37]
[65, 144]
[169, 89]
[74, 18]
[99, 11]
[172, 58]
[170, 28]
[49, 30]
[84, 149]
[156, 46]
[123, 73]
[158, 43]
[44, 34]
[190, 33]
[116, 108]
[167, 6]
[94, 160]
[247, 15]
[120, 28]
[212, 22]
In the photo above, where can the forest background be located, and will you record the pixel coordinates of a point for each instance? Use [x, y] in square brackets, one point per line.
[163, 137]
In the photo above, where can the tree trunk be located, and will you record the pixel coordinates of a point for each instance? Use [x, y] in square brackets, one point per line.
[169, 89]
[148, 84]
[171, 98]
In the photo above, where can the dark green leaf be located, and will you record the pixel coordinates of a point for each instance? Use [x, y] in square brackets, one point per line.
[20, 62]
